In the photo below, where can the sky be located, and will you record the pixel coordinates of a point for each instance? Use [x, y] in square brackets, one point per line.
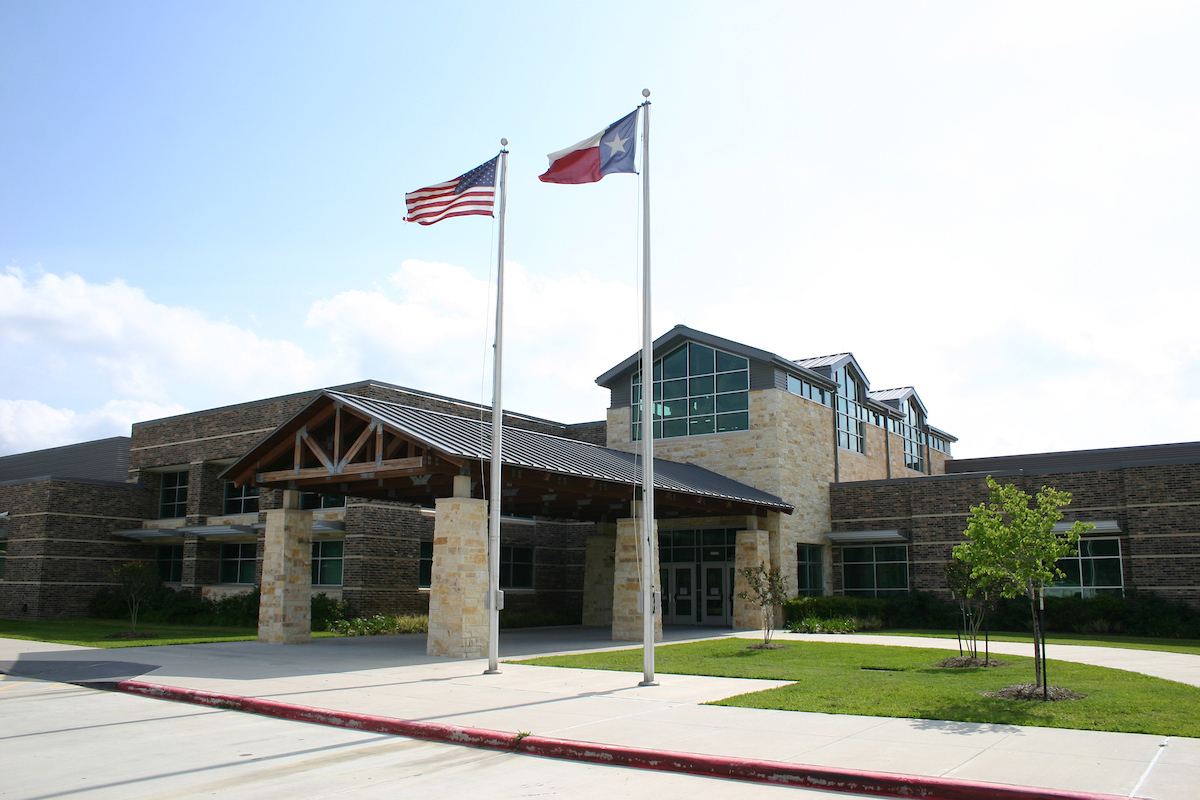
[201, 204]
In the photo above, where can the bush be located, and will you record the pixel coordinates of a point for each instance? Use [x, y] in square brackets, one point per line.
[799, 608]
[177, 607]
[381, 625]
[327, 611]
[814, 624]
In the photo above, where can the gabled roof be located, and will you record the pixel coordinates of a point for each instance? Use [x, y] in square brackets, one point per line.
[896, 397]
[681, 333]
[828, 365]
[467, 442]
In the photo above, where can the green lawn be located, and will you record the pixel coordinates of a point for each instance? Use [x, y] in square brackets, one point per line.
[881, 681]
[1188, 646]
[90, 632]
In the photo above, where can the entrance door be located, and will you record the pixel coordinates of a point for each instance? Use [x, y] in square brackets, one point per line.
[717, 604]
[679, 594]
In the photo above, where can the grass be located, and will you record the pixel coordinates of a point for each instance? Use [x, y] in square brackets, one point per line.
[1188, 646]
[881, 681]
[90, 632]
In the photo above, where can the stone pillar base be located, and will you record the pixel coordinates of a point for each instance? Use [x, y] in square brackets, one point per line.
[626, 620]
[285, 604]
[458, 621]
[753, 548]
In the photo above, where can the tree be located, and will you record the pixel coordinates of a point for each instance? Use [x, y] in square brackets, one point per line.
[767, 590]
[975, 597]
[1013, 542]
[137, 582]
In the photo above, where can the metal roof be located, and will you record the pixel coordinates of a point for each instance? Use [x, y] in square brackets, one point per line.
[102, 459]
[896, 396]
[1083, 460]
[471, 438]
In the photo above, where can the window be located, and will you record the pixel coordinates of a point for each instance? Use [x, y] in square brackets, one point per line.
[808, 390]
[240, 500]
[810, 571]
[1096, 569]
[172, 498]
[516, 567]
[875, 571]
[716, 545]
[697, 390]
[312, 501]
[327, 563]
[238, 562]
[912, 429]
[425, 566]
[3, 556]
[939, 443]
[169, 558]
[851, 411]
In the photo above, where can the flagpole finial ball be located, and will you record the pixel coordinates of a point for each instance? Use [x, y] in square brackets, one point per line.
[645, 92]
[504, 142]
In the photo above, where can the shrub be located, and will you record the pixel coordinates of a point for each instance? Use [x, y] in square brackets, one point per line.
[814, 624]
[381, 625]
[798, 608]
[326, 611]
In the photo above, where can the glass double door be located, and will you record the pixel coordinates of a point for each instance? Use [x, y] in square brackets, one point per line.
[697, 594]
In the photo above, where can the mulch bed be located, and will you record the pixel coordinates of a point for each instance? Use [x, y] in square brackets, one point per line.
[970, 661]
[131, 635]
[1029, 691]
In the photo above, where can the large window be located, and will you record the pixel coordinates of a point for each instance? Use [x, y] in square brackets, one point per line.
[1096, 569]
[697, 390]
[875, 570]
[807, 390]
[169, 558]
[851, 411]
[516, 567]
[912, 429]
[240, 500]
[810, 573]
[172, 498]
[327, 563]
[717, 545]
[238, 562]
[312, 500]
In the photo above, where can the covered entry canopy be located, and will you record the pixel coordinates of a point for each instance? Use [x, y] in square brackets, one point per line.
[350, 445]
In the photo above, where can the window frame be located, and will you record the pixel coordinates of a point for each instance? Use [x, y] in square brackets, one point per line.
[509, 564]
[424, 565]
[810, 564]
[876, 566]
[320, 560]
[173, 562]
[1060, 588]
[238, 498]
[178, 492]
[241, 560]
[312, 501]
[694, 402]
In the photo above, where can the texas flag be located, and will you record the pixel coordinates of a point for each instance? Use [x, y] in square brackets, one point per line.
[611, 150]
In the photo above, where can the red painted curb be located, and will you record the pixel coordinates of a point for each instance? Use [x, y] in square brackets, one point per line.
[744, 769]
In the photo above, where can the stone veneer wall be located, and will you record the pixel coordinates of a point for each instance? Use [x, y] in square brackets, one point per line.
[60, 543]
[1157, 508]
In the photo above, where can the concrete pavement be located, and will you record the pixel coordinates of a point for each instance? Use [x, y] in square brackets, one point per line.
[391, 676]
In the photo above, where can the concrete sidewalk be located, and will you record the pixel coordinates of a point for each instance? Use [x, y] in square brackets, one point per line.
[391, 676]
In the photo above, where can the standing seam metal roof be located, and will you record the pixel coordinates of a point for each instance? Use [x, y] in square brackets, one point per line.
[471, 438]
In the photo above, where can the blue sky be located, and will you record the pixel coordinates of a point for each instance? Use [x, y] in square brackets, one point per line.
[201, 204]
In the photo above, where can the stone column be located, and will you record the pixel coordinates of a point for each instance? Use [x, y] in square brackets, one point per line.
[598, 576]
[753, 548]
[285, 605]
[458, 621]
[626, 619]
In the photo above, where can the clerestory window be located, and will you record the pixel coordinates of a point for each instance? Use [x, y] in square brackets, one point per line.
[697, 390]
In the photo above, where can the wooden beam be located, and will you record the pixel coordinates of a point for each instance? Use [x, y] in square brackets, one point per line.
[337, 433]
[316, 449]
[354, 448]
[351, 470]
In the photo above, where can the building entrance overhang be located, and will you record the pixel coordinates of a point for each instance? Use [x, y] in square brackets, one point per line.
[350, 445]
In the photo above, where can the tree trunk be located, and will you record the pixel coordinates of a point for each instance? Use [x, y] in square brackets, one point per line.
[1037, 641]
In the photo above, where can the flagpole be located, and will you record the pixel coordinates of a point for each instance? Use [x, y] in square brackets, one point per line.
[495, 596]
[648, 531]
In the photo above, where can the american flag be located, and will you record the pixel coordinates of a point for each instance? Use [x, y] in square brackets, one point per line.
[471, 193]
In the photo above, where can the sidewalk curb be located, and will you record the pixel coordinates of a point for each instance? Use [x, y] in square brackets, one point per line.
[744, 769]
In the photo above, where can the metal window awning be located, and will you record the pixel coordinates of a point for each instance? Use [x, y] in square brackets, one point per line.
[1102, 526]
[151, 534]
[320, 526]
[220, 531]
[865, 537]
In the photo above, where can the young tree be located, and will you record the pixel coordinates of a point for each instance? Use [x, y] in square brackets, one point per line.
[1013, 542]
[975, 597]
[766, 589]
[137, 582]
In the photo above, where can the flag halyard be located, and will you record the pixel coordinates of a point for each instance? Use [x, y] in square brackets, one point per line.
[471, 193]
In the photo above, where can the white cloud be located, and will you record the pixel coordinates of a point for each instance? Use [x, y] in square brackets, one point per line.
[432, 329]
[113, 351]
